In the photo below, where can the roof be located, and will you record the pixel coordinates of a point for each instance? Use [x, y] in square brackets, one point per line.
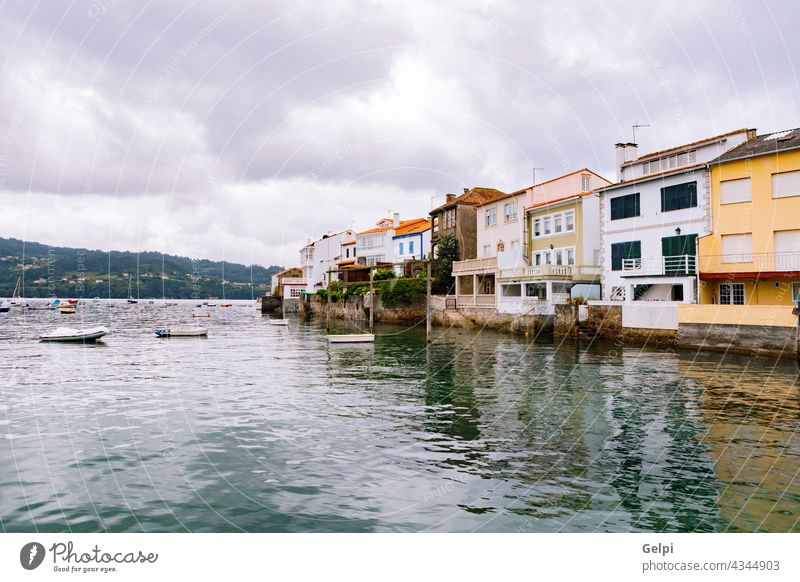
[349, 242]
[684, 146]
[477, 196]
[414, 226]
[558, 200]
[648, 177]
[346, 262]
[769, 143]
[289, 270]
[581, 171]
[404, 224]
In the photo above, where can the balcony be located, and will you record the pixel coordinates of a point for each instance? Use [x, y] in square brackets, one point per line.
[565, 272]
[653, 267]
[479, 300]
[474, 266]
[755, 263]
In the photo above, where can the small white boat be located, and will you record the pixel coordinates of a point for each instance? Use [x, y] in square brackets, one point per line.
[66, 309]
[181, 332]
[69, 334]
[201, 315]
[351, 338]
[5, 307]
[279, 322]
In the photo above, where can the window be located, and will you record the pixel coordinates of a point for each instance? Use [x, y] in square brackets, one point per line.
[625, 206]
[510, 211]
[491, 216]
[679, 196]
[538, 259]
[569, 221]
[795, 292]
[786, 241]
[559, 254]
[294, 292]
[514, 290]
[683, 160]
[411, 247]
[487, 251]
[547, 225]
[537, 227]
[514, 245]
[570, 256]
[624, 250]
[692, 157]
[586, 183]
[557, 219]
[673, 162]
[548, 258]
[536, 290]
[501, 247]
[731, 293]
[786, 184]
[737, 248]
[734, 191]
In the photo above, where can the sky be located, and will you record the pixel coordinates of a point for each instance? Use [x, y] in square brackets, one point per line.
[240, 130]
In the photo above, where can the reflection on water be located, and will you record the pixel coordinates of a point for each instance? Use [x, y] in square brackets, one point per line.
[265, 428]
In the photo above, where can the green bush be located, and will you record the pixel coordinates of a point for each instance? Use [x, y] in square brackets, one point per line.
[360, 289]
[383, 275]
[401, 292]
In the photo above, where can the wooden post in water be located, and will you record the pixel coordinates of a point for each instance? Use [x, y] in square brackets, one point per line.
[328, 304]
[428, 303]
[371, 302]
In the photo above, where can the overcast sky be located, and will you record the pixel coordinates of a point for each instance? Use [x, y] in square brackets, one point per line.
[239, 130]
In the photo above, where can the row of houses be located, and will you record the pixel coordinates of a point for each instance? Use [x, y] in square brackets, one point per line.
[348, 256]
[714, 221]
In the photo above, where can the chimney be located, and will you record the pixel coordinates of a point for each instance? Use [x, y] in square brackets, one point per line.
[625, 153]
[466, 190]
[396, 220]
[450, 197]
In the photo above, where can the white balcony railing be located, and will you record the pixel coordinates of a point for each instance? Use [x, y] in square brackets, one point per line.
[556, 271]
[751, 263]
[475, 300]
[672, 265]
[472, 265]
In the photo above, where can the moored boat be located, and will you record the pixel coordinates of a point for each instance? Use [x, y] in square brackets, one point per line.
[182, 332]
[279, 322]
[351, 338]
[5, 307]
[69, 334]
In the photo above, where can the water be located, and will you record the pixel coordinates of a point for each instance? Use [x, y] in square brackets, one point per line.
[262, 428]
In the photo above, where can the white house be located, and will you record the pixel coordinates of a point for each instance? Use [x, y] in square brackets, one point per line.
[502, 237]
[321, 256]
[393, 241]
[652, 217]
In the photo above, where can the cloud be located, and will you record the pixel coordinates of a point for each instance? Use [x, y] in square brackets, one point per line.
[241, 129]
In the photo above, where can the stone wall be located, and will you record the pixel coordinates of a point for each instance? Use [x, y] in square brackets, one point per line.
[354, 309]
[490, 319]
[760, 340]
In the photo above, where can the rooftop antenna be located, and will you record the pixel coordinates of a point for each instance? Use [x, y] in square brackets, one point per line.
[534, 174]
[637, 125]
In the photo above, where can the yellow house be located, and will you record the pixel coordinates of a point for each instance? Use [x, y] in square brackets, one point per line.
[753, 255]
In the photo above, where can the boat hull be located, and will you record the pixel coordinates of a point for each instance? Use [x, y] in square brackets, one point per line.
[63, 335]
[352, 338]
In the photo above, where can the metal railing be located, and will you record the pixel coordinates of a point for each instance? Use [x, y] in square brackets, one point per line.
[671, 265]
[557, 271]
[750, 262]
[294, 281]
[489, 263]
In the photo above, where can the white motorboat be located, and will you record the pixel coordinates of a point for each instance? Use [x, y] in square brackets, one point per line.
[5, 306]
[181, 332]
[279, 322]
[69, 334]
[352, 338]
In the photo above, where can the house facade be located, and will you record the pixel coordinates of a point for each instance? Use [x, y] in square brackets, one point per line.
[562, 260]
[289, 283]
[320, 258]
[502, 236]
[752, 257]
[412, 240]
[392, 241]
[457, 217]
[652, 218]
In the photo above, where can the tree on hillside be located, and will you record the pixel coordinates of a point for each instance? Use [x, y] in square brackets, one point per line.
[442, 267]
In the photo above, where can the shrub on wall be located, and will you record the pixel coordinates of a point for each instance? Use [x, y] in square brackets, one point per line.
[401, 292]
[383, 275]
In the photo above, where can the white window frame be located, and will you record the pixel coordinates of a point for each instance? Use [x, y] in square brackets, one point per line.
[558, 223]
[510, 211]
[569, 215]
[736, 195]
[491, 216]
[570, 256]
[537, 227]
[586, 183]
[487, 251]
[731, 287]
[547, 226]
[775, 175]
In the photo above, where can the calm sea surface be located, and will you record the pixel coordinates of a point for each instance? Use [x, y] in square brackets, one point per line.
[262, 428]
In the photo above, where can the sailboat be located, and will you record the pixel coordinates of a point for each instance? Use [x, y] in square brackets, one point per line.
[16, 299]
[130, 289]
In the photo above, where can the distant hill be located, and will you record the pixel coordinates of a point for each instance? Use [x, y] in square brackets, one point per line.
[48, 271]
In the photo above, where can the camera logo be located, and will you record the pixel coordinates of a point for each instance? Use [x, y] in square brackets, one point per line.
[31, 555]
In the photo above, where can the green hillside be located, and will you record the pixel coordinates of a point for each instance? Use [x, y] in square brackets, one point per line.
[48, 271]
